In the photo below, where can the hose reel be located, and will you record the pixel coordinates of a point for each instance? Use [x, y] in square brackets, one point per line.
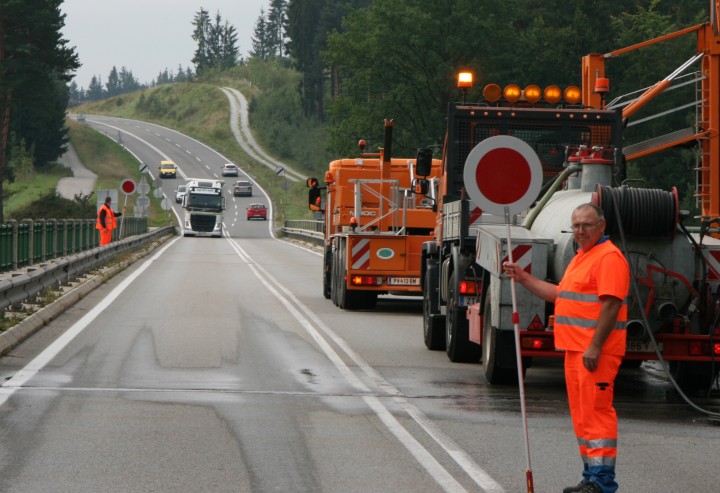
[644, 212]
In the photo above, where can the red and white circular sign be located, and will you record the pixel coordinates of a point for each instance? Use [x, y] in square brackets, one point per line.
[128, 187]
[503, 173]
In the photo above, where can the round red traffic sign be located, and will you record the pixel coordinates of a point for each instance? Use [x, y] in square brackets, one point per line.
[503, 173]
[128, 186]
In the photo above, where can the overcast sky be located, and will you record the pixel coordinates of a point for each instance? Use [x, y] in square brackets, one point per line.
[146, 36]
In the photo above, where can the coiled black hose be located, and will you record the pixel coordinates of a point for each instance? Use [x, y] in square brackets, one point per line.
[644, 212]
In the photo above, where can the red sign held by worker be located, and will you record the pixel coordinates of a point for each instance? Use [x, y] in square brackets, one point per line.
[128, 187]
[503, 173]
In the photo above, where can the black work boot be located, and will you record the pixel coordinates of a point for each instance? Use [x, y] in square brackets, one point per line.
[590, 488]
[574, 489]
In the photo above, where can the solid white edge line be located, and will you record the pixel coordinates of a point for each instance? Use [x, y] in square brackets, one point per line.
[477, 473]
[431, 465]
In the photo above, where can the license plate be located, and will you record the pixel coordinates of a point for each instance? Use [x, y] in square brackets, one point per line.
[640, 347]
[466, 300]
[403, 281]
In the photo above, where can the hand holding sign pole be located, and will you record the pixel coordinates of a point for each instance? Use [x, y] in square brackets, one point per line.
[503, 175]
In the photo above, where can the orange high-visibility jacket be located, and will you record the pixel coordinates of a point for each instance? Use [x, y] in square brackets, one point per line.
[601, 271]
[110, 222]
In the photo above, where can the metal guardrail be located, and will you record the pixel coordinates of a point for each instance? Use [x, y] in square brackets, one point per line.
[20, 286]
[30, 241]
[305, 229]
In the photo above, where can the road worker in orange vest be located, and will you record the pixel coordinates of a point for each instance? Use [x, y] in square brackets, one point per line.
[106, 221]
[590, 319]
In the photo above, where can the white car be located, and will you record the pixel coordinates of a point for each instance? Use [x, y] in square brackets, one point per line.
[230, 170]
[180, 193]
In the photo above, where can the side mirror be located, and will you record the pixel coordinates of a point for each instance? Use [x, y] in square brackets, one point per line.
[420, 186]
[423, 161]
[314, 195]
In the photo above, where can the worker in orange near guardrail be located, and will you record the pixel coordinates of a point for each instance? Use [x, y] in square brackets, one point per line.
[106, 221]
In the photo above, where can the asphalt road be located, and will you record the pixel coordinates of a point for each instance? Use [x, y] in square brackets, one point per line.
[217, 365]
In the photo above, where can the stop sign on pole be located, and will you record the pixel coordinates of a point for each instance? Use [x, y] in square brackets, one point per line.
[503, 174]
[128, 187]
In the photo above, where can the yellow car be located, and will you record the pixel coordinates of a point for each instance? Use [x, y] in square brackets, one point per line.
[168, 169]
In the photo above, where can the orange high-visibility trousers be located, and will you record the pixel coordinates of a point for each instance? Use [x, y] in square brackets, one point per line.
[105, 236]
[590, 395]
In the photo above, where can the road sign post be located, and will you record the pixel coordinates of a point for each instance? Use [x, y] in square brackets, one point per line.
[128, 188]
[503, 175]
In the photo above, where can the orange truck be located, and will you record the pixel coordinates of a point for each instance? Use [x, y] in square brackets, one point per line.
[377, 215]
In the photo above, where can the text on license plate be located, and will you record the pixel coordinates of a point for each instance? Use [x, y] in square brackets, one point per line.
[466, 300]
[403, 281]
[640, 347]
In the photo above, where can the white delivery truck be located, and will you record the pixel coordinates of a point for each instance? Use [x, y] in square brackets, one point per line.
[203, 204]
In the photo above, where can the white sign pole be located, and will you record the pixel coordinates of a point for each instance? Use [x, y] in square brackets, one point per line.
[521, 379]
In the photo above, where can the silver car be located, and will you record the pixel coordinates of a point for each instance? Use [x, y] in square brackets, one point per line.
[242, 188]
[180, 193]
[230, 170]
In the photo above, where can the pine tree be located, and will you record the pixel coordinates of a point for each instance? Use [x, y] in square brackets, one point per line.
[260, 48]
[112, 86]
[201, 34]
[35, 66]
[95, 90]
[276, 20]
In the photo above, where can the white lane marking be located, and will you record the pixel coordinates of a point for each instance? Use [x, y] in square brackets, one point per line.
[478, 475]
[38, 363]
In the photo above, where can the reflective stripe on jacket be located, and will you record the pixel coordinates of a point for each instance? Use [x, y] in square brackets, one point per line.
[601, 271]
[110, 222]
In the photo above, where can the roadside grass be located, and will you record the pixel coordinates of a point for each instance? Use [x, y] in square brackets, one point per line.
[202, 111]
[113, 164]
[23, 192]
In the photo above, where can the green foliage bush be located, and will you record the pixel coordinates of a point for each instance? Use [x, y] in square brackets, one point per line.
[54, 206]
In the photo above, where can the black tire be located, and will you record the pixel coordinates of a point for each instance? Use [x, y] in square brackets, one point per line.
[335, 285]
[457, 338]
[433, 323]
[341, 274]
[327, 273]
[494, 373]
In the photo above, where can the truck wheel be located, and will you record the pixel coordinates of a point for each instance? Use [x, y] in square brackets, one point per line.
[335, 285]
[433, 323]
[457, 338]
[341, 273]
[494, 374]
[327, 273]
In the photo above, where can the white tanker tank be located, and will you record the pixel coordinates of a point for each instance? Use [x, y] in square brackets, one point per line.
[676, 313]
[661, 257]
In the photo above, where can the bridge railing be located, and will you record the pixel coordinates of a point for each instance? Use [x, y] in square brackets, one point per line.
[29, 242]
[27, 282]
[304, 229]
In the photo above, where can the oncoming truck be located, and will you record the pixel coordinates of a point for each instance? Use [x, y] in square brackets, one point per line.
[203, 206]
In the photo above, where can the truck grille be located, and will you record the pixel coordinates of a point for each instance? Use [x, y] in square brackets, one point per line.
[202, 223]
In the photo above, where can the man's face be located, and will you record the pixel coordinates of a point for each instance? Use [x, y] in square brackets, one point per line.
[587, 227]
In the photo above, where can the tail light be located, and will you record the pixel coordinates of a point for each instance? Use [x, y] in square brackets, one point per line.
[536, 343]
[366, 280]
[467, 287]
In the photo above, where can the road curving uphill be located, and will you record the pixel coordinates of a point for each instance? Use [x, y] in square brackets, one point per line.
[240, 125]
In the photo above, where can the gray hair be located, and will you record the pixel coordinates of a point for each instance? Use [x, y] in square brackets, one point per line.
[588, 205]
